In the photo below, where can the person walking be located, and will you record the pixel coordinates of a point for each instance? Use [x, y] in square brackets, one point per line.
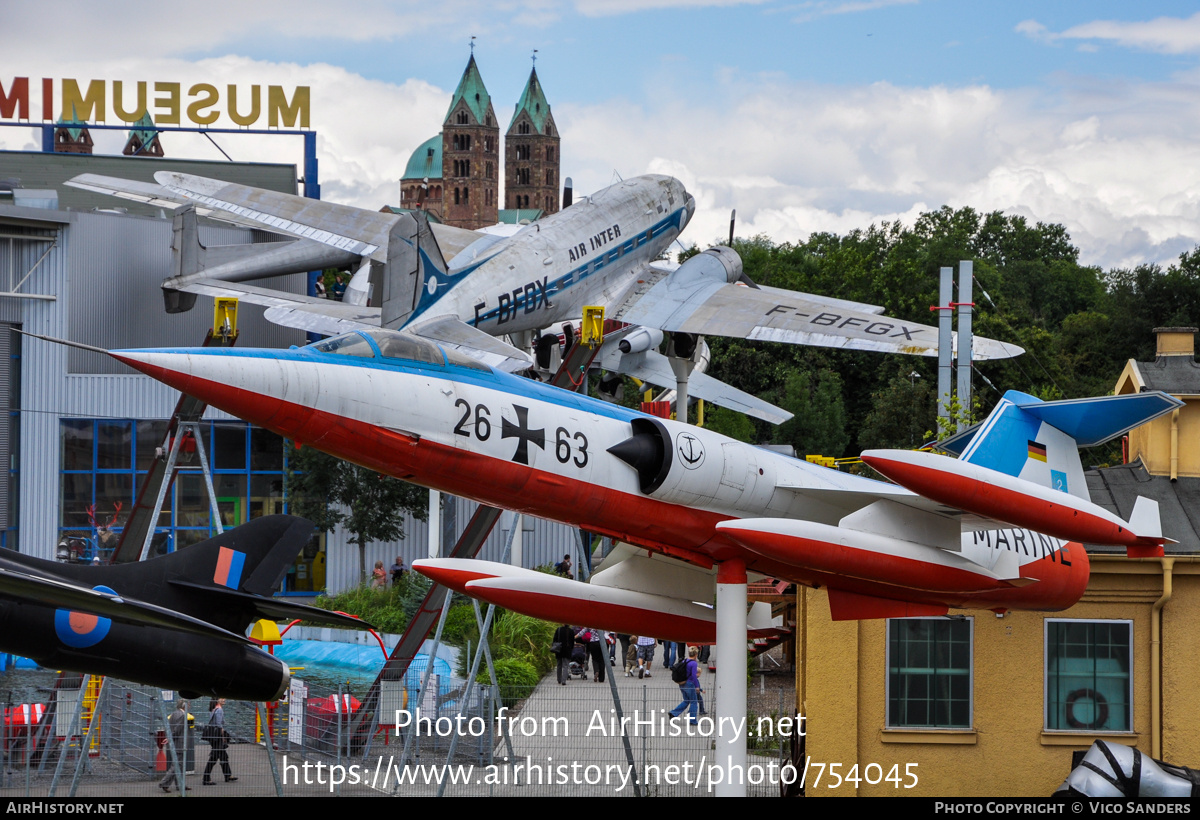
[177, 726]
[216, 737]
[562, 645]
[689, 686]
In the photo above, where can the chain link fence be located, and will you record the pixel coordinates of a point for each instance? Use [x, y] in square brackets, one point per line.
[548, 740]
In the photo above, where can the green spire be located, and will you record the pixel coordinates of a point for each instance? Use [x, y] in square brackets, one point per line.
[471, 89]
[534, 102]
[74, 125]
[143, 129]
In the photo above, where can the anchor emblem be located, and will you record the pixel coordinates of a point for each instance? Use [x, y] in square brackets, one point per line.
[691, 451]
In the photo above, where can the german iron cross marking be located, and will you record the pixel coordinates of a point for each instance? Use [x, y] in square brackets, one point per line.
[521, 431]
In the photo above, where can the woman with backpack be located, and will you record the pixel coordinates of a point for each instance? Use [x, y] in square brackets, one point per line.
[687, 674]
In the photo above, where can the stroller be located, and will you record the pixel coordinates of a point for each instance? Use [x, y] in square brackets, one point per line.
[579, 662]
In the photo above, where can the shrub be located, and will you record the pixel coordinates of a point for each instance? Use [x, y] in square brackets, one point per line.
[516, 678]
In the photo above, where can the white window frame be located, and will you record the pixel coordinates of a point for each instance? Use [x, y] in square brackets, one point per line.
[889, 723]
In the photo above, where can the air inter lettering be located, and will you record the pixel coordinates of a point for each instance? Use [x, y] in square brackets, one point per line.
[875, 328]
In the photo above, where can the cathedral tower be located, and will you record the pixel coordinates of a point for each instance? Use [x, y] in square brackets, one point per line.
[531, 157]
[470, 155]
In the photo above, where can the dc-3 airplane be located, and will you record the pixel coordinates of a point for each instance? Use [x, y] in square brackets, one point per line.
[995, 529]
[173, 622]
[602, 250]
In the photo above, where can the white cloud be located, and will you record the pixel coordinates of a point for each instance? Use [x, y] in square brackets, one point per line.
[1167, 35]
[1118, 166]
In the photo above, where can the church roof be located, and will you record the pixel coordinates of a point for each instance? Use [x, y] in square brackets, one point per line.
[533, 100]
[143, 129]
[426, 161]
[74, 126]
[471, 89]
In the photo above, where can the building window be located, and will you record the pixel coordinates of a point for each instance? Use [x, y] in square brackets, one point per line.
[462, 117]
[1089, 687]
[550, 154]
[929, 673]
[523, 152]
[523, 128]
[105, 461]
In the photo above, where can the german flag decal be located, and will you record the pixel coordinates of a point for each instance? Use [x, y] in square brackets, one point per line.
[1037, 451]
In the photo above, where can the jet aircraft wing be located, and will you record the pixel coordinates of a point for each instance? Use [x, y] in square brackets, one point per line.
[22, 587]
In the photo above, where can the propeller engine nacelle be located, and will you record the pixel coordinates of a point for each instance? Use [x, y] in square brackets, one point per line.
[719, 264]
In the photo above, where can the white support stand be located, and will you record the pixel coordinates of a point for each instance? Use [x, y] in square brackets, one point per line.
[731, 678]
[683, 371]
[517, 526]
[435, 524]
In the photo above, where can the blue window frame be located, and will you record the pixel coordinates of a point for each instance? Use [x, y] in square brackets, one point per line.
[105, 461]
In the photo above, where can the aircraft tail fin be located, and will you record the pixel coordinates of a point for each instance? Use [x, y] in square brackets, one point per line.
[252, 558]
[1039, 441]
[415, 272]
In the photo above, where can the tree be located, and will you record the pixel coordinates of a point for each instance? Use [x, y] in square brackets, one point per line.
[819, 425]
[371, 506]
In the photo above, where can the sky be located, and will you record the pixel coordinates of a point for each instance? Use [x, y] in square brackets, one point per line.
[818, 115]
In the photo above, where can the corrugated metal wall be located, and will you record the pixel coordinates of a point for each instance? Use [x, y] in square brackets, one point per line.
[546, 544]
[6, 383]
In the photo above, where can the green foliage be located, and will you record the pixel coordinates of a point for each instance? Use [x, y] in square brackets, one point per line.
[900, 413]
[381, 608]
[460, 628]
[819, 424]
[516, 678]
[522, 637]
[329, 492]
[513, 637]
[729, 423]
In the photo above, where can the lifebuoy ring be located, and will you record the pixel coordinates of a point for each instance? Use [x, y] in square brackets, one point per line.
[1099, 704]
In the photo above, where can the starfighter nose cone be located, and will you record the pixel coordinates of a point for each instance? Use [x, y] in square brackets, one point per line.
[171, 368]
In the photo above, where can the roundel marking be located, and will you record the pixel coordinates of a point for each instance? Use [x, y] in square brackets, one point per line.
[690, 450]
[80, 630]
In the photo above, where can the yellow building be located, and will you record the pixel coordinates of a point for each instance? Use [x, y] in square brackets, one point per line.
[980, 705]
